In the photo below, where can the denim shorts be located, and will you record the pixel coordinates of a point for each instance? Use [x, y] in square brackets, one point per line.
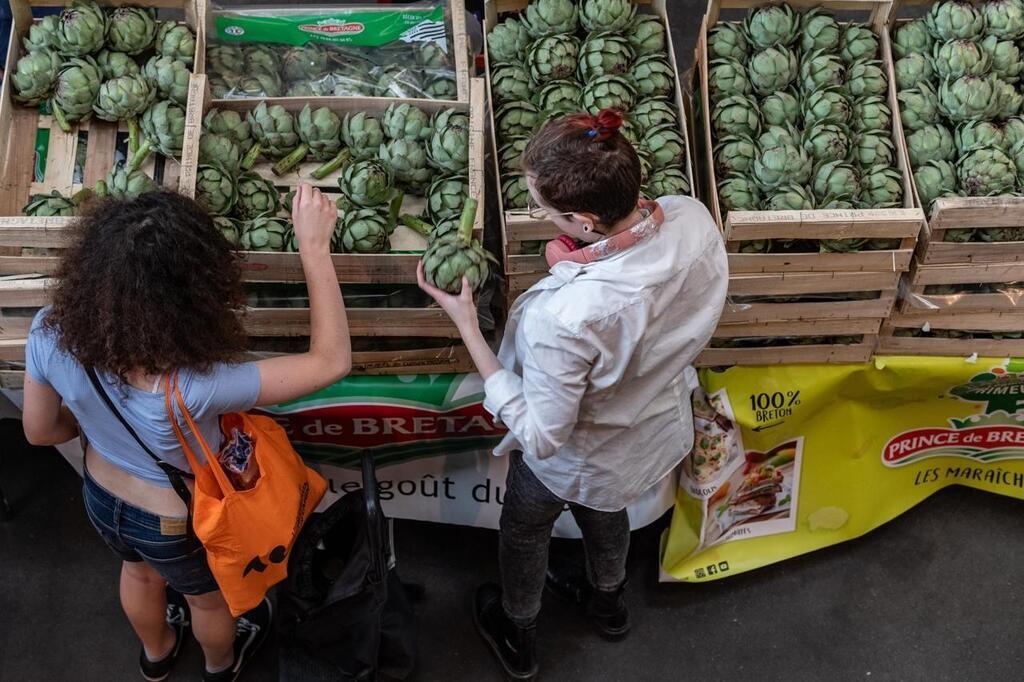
[135, 534]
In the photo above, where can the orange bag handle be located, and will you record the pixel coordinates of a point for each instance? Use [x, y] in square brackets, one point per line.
[211, 459]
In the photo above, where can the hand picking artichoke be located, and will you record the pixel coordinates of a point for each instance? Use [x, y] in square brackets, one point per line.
[450, 259]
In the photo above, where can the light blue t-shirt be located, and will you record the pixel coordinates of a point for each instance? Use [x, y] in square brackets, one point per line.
[226, 388]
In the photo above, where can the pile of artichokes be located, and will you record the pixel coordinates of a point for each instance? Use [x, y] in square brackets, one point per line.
[563, 56]
[800, 119]
[959, 71]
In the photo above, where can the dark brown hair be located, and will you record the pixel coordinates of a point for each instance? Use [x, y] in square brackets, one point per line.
[148, 284]
[582, 163]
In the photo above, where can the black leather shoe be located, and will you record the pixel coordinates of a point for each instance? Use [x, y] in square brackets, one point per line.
[606, 610]
[513, 646]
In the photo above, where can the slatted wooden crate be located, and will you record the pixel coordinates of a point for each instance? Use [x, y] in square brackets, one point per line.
[891, 343]
[522, 268]
[743, 226]
[780, 342]
[975, 287]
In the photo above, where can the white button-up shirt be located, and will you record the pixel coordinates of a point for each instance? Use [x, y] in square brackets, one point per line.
[597, 359]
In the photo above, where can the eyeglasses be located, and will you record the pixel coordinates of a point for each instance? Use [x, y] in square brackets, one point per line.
[539, 213]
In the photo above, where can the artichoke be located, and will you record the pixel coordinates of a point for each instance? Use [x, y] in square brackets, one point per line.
[515, 193]
[1013, 131]
[42, 35]
[727, 41]
[780, 108]
[972, 135]
[827, 142]
[232, 125]
[934, 178]
[116, 64]
[163, 124]
[219, 150]
[919, 107]
[866, 78]
[819, 31]
[215, 190]
[739, 193]
[265, 233]
[560, 96]
[727, 77]
[554, 58]
[402, 121]
[873, 148]
[516, 118]
[666, 146]
[81, 29]
[259, 84]
[857, 42]
[320, 135]
[735, 115]
[273, 129]
[131, 30]
[256, 197]
[912, 36]
[986, 172]
[446, 196]
[601, 54]
[226, 61]
[608, 92]
[821, 70]
[170, 78]
[365, 230]
[508, 40]
[870, 113]
[431, 55]
[230, 228]
[52, 204]
[323, 87]
[123, 99]
[176, 41]
[790, 198]
[219, 87]
[262, 57]
[667, 182]
[827, 105]
[772, 25]
[510, 155]
[955, 58]
[772, 69]
[778, 136]
[397, 81]
[1008, 99]
[441, 86]
[913, 69]
[1006, 59]
[304, 62]
[34, 76]
[646, 35]
[448, 147]
[782, 165]
[367, 183]
[881, 186]
[653, 112]
[449, 260]
[550, 17]
[653, 76]
[408, 162]
[125, 184]
[968, 97]
[734, 154]
[835, 179]
[930, 143]
[510, 82]
[1004, 18]
[606, 15]
[952, 19]
[78, 84]
[362, 134]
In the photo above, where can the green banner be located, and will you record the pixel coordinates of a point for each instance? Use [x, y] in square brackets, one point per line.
[360, 26]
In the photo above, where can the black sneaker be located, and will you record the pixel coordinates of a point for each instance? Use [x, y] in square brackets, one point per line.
[178, 617]
[251, 631]
[606, 610]
[513, 646]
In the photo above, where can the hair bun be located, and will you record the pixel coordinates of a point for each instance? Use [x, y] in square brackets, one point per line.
[606, 123]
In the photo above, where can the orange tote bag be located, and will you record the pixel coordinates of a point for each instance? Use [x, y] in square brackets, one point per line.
[248, 534]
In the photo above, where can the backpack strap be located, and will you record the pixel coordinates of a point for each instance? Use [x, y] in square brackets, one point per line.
[375, 521]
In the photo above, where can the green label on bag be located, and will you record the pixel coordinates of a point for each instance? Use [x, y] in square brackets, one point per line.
[366, 28]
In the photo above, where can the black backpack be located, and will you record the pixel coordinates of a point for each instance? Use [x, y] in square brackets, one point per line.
[345, 614]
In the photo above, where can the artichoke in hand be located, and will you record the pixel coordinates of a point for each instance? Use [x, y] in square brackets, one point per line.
[450, 259]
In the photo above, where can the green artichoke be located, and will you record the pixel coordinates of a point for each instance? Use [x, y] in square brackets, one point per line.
[367, 183]
[734, 154]
[230, 228]
[262, 57]
[735, 115]
[256, 197]
[449, 260]
[398, 81]
[919, 107]
[304, 62]
[516, 118]
[232, 125]
[442, 117]
[912, 36]
[320, 130]
[402, 121]
[117, 64]
[606, 15]
[930, 143]
[123, 99]
[666, 182]
[448, 147]
[772, 25]
[821, 70]
[772, 69]
[323, 87]
[431, 55]
[653, 76]
[219, 150]
[790, 198]
[219, 87]
[1008, 99]
[1017, 154]
[515, 193]
[835, 179]
[226, 61]
[934, 178]
[783, 165]
[48, 205]
[131, 30]
[81, 29]
[881, 187]
[781, 108]
[554, 57]
[78, 84]
[955, 58]
[827, 105]
[273, 129]
[408, 162]
[913, 69]
[870, 113]
[819, 31]
[727, 41]
[827, 142]
[560, 96]
[365, 231]
[1004, 19]
[726, 77]
[857, 42]
[510, 155]
[125, 185]
[971, 135]
[778, 136]
[601, 54]
[608, 92]
[1013, 131]
[986, 172]
[968, 97]
[170, 78]
[265, 233]
[215, 190]
[508, 40]
[646, 35]
[739, 193]
[446, 196]
[666, 146]
[873, 148]
[441, 86]
[35, 75]
[866, 78]
[550, 17]
[176, 41]
[163, 124]
[511, 82]
[653, 112]
[259, 84]
[42, 34]
[1005, 56]
[952, 19]
[362, 134]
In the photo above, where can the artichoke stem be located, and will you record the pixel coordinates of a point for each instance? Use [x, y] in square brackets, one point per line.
[62, 120]
[466, 221]
[397, 197]
[139, 156]
[289, 162]
[101, 188]
[250, 156]
[133, 135]
[334, 164]
[414, 223]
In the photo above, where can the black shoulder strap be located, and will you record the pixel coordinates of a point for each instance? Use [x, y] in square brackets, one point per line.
[175, 475]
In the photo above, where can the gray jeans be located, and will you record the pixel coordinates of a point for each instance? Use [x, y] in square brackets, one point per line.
[527, 518]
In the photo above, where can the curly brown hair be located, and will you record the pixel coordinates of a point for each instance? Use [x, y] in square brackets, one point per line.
[149, 284]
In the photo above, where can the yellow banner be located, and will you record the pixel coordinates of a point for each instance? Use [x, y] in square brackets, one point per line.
[794, 458]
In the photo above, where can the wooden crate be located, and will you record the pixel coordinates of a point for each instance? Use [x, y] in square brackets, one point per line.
[916, 299]
[786, 352]
[809, 284]
[891, 344]
[739, 226]
[522, 270]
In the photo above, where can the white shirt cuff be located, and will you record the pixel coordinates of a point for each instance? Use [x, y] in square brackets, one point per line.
[500, 389]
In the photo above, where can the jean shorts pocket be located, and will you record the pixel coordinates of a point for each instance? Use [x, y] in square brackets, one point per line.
[179, 548]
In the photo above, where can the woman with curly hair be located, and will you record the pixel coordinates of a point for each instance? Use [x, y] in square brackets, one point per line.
[147, 288]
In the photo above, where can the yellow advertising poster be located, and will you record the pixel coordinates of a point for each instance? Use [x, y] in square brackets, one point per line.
[794, 458]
